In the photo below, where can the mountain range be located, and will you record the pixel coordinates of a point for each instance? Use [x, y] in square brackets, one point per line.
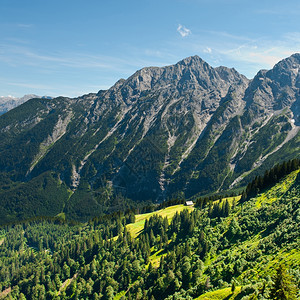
[10, 102]
[178, 131]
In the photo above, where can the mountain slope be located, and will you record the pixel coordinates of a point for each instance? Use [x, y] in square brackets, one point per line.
[8, 103]
[205, 252]
[164, 132]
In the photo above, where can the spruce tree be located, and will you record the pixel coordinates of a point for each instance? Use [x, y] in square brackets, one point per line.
[233, 286]
[283, 287]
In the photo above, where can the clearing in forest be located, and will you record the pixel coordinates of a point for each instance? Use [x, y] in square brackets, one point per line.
[169, 212]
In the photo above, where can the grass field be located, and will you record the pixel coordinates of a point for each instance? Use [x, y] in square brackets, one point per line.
[155, 258]
[231, 199]
[61, 215]
[168, 212]
[277, 191]
[220, 294]
[120, 295]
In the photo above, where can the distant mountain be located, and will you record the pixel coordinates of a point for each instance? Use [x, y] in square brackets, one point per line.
[177, 131]
[9, 102]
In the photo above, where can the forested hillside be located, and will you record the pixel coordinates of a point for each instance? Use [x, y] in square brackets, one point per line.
[222, 249]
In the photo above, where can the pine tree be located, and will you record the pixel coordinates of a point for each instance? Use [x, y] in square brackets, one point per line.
[283, 287]
[226, 208]
[233, 286]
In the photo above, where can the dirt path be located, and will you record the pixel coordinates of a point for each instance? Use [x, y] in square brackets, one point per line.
[5, 293]
[66, 283]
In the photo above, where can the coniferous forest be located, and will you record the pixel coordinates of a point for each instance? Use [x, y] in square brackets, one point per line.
[232, 248]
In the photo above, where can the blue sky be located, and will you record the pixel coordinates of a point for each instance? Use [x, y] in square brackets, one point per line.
[73, 47]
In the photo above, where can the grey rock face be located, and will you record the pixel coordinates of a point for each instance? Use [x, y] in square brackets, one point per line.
[175, 131]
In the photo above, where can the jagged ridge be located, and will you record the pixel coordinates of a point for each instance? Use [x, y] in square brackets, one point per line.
[164, 132]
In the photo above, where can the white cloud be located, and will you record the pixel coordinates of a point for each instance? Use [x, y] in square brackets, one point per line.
[247, 54]
[31, 85]
[207, 50]
[183, 31]
[16, 56]
[293, 37]
[217, 35]
[283, 10]
[266, 55]
[24, 25]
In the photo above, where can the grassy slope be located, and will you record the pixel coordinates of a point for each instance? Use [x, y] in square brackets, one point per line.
[136, 228]
[267, 198]
[231, 199]
[168, 212]
[220, 294]
[276, 192]
[290, 257]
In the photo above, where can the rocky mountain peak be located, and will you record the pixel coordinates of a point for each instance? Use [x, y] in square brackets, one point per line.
[177, 130]
[230, 74]
[271, 91]
[180, 76]
[10, 102]
[189, 74]
[286, 72]
[192, 60]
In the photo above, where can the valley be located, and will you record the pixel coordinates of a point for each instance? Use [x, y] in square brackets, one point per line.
[219, 249]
